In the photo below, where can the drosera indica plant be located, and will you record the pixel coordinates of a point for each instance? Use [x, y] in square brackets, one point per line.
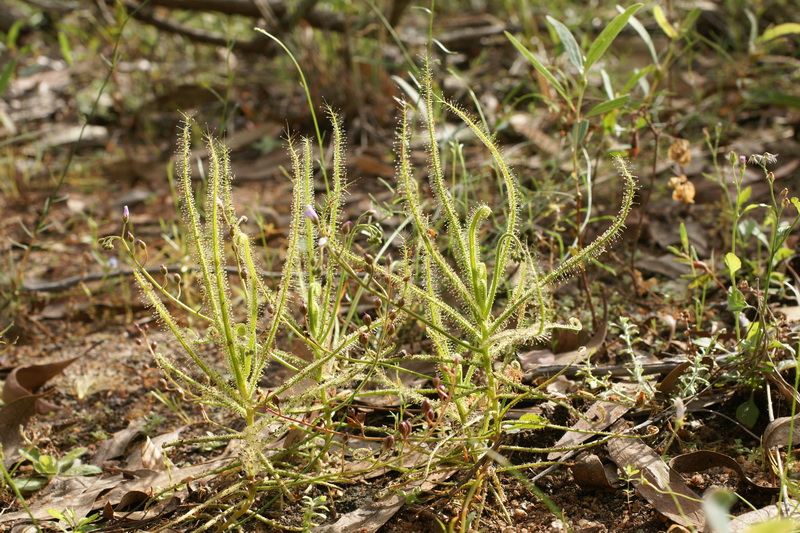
[246, 335]
[473, 312]
[297, 434]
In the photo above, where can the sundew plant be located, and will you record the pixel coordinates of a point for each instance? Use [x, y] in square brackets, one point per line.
[302, 432]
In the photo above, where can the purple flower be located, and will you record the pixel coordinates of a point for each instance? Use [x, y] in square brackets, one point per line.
[126, 214]
[310, 214]
[742, 160]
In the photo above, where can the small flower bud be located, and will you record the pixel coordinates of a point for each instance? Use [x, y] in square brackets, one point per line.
[770, 177]
[310, 214]
[129, 236]
[367, 320]
[347, 225]
[369, 259]
[401, 303]
[176, 278]
[153, 345]
[164, 270]
[388, 442]
[126, 215]
[140, 244]
[363, 339]
[304, 309]
[742, 160]
[390, 329]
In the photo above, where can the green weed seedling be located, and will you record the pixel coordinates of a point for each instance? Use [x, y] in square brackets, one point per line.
[69, 523]
[47, 467]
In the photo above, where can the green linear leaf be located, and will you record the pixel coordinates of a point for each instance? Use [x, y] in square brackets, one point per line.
[569, 42]
[780, 30]
[544, 71]
[7, 73]
[634, 79]
[607, 36]
[643, 33]
[605, 107]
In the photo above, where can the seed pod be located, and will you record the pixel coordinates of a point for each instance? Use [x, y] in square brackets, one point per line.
[363, 339]
[405, 429]
[390, 329]
[367, 320]
[164, 270]
[388, 442]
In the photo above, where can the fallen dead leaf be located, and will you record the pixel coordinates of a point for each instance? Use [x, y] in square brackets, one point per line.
[12, 416]
[26, 380]
[589, 471]
[705, 459]
[659, 484]
[598, 417]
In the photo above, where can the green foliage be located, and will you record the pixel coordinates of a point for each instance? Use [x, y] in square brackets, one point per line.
[315, 511]
[69, 523]
[48, 466]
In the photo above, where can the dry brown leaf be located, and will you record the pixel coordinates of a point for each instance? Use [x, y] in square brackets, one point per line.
[12, 416]
[780, 432]
[370, 517]
[589, 471]
[704, 459]
[659, 484]
[599, 417]
[118, 443]
[26, 380]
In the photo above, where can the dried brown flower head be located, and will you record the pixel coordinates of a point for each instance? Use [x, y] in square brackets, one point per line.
[680, 152]
[682, 189]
